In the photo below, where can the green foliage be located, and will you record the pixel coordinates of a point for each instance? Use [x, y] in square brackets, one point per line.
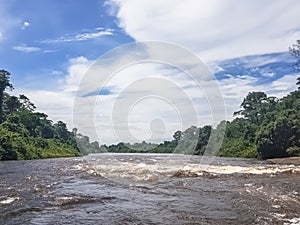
[268, 127]
[237, 147]
[269, 124]
[188, 141]
[165, 147]
[204, 134]
[142, 147]
[4, 83]
[84, 144]
[26, 134]
[7, 152]
[295, 51]
[280, 138]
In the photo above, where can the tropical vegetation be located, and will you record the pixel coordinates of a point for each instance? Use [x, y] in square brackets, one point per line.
[264, 127]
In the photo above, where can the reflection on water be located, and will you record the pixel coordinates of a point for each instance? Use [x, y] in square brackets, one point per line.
[148, 189]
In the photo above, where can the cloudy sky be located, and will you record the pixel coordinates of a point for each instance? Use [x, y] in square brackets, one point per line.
[50, 46]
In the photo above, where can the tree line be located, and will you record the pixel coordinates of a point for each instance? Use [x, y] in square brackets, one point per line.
[265, 127]
[27, 134]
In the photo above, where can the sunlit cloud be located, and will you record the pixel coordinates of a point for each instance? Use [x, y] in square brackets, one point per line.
[127, 85]
[82, 36]
[215, 29]
[25, 25]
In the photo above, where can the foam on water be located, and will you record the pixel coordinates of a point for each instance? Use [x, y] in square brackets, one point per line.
[152, 169]
[9, 200]
[240, 169]
[286, 221]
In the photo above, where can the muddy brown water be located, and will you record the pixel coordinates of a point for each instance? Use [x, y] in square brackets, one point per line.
[148, 189]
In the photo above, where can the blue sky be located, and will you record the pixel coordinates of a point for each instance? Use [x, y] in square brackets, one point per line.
[44, 35]
[48, 46]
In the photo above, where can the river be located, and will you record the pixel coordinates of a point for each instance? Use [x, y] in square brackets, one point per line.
[148, 189]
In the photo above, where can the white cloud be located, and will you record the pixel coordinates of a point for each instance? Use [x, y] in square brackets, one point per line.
[58, 104]
[214, 29]
[30, 49]
[83, 36]
[144, 92]
[128, 87]
[25, 25]
[56, 72]
[76, 70]
[86, 36]
[27, 49]
[149, 96]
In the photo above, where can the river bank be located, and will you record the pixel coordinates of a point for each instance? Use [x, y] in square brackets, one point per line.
[287, 161]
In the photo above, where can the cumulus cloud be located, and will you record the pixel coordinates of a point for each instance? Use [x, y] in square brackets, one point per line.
[137, 91]
[144, 93]
[215, 29]
[58, 104]
[76, 71]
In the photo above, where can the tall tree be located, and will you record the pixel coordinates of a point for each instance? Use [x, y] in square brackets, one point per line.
[204, 134]
[177, 135]
[252, 106]
[12, 104]
[295, 51]
[4, 83]
[26, 103]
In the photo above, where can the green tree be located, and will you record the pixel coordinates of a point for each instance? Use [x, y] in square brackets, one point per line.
[280, 138]
[12, 104]
[204, 134]
[26, 103]
[188, 141]
[4, 83]
[61, 131]
[177, 135]
[252, 106]
[295, 51]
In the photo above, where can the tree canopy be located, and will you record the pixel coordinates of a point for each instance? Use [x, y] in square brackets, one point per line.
[295, 51]
[267, 127]
[27, 134]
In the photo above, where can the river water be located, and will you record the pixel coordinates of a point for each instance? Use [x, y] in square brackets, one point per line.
[148, 189]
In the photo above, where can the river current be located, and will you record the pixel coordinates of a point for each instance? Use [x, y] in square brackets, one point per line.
[148, 189]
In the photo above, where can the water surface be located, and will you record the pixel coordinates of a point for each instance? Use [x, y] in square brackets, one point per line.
[148, 189]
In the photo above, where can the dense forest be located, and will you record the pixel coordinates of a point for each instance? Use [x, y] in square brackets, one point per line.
[27, 134]
[266, 127]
